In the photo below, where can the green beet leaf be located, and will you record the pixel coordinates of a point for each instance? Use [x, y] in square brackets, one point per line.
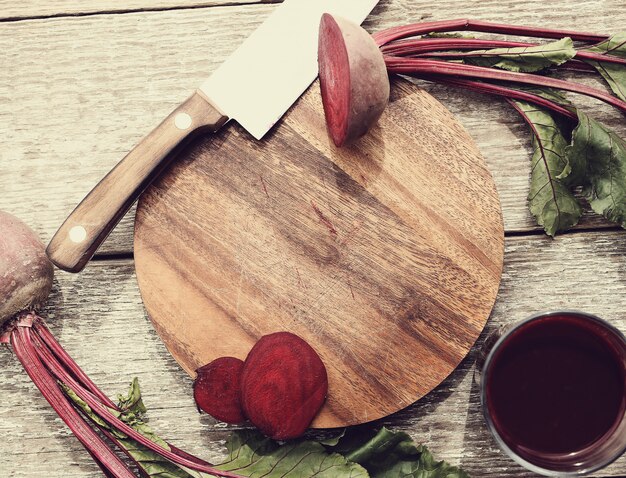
[358, 452]
[551, 94]
[613, 73]
[387, 454]
[133, 409]
[132, 401]
[549, 199]
[251, 454]
[525, 59]
[604, 153]
[352, 454]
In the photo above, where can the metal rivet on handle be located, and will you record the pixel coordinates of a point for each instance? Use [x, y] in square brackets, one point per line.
[78, 234]
[182, 121]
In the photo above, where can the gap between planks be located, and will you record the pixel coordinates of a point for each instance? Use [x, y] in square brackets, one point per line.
[124, 11]
[129, 255]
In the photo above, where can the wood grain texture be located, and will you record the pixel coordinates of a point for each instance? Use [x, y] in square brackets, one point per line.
[30, 9]
[57, 155]
[102, 306]
[80, 92]
[92, 117]
[353, 249]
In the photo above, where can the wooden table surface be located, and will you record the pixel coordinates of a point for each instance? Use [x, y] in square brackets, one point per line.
[82, 82]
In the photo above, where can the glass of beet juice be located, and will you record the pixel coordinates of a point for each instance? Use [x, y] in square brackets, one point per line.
[553, 392]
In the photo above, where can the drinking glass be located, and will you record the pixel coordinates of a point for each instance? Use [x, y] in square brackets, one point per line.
[592, 456]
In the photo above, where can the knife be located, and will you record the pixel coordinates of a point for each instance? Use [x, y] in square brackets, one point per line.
[255, 86]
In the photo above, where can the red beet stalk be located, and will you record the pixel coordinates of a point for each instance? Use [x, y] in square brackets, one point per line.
[385, 36]
[50, 351]
[419, 67]
[72, 367]
[508, 93]
[419, 46]
[105, 414]
[426, 47]
[25, 352]
[48, 339]
[62, 366]
[580, 55]
[51, 359]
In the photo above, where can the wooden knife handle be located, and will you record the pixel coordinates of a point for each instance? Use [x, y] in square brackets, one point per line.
[79, 237]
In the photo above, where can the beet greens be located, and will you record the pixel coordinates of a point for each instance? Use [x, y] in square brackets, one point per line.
[572, 152]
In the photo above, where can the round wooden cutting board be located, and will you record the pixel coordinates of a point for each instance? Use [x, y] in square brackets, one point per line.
[385, 256]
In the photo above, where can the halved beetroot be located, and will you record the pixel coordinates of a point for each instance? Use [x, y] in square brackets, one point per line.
[353, 79]
[283, 385]
[217, 389]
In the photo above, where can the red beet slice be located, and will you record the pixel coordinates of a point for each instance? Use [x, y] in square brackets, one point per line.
[353, 79]
[216, 389]
[283, 385]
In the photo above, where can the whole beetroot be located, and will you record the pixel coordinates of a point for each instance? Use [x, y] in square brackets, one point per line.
[25, 271]
[283, 385]
[25, 283]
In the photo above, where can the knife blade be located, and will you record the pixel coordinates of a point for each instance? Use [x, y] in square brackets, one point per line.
[255, 86]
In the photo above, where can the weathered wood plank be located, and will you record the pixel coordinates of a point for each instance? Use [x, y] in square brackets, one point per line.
[30, 9]
[80, 92]
[67, 94]
[99, 318]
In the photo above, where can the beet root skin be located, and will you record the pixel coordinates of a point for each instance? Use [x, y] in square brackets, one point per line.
[25, 272]
[283, 385]
[353, 79]
[216, 389]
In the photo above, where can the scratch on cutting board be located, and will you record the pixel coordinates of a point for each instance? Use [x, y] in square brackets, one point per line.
[351, 233]
[242, 276]
[323, 219]
[264, 187]
[385, 361]
[299, 278]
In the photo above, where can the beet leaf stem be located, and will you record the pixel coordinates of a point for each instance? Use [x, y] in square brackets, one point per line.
[105, 414]
[27, 355]
[419, 67]
[499, 90]
[418, 46]
[436, 48]
[68, 363]
[385, 36]
[46, 336]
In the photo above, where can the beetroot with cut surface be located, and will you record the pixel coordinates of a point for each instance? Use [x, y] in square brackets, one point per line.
[353, 79]
[216, 389]
[283, 385]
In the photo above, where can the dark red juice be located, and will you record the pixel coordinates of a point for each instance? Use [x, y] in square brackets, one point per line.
[555, 386]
